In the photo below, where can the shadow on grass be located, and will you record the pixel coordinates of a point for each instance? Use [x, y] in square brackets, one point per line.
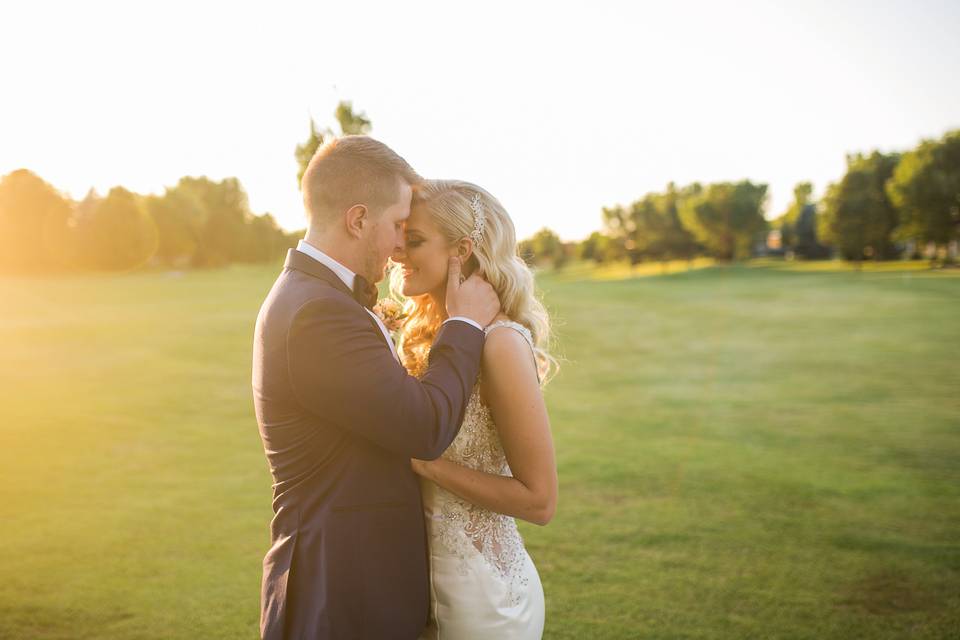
[889, 592]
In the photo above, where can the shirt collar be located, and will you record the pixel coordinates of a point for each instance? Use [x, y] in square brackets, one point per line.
[342, 272]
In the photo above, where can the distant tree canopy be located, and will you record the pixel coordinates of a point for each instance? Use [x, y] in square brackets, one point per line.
[544, 247]
[882, 201]
[725, 217]
[925, 188]
[33, 224]
[798, 225]
[180, 217]
[115, 232]
[723, 220]
[350, 122]
[858, 216]
[597, 247]
[225, 232]
[304, 152]
[661, 232]
[787, 221]
[649, 229]
[199, 222]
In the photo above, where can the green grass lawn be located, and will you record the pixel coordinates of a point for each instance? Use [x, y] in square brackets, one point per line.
[763, 451]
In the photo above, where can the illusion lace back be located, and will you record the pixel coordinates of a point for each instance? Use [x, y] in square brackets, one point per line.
[478, 559]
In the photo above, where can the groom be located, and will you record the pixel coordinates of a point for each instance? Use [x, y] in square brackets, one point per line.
[339, 416]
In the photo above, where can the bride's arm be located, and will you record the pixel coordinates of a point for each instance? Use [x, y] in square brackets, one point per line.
[516, 403]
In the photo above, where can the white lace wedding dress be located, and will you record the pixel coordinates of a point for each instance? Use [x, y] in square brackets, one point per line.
[483, 584]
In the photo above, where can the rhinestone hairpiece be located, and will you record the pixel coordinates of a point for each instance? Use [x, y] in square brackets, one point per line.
[478, 219]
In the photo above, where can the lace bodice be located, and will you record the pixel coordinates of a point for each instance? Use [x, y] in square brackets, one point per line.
[464, 529]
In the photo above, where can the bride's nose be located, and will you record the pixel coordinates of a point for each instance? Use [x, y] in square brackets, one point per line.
[398, 255]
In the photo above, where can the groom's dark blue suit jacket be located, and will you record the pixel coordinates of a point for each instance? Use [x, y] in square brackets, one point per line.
[340, 419]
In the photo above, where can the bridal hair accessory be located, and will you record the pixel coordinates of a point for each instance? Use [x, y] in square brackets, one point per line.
[478, 219]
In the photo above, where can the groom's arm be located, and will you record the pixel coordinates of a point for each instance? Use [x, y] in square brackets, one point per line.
[342, 371]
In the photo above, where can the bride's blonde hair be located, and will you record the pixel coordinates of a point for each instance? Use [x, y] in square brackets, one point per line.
[448, 203]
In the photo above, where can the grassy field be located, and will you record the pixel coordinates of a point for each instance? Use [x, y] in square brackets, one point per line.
[763, 451]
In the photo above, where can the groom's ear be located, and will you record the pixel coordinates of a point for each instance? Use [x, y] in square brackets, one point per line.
[356, 218]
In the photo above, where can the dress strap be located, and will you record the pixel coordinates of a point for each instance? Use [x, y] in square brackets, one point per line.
[523, 331]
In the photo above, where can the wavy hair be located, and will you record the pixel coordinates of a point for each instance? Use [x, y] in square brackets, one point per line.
[448, 204]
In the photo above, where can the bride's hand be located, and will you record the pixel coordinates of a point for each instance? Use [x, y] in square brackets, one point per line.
[420, 467]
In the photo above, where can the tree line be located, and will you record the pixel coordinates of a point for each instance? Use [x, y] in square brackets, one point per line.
[886, 206]
[198, 222]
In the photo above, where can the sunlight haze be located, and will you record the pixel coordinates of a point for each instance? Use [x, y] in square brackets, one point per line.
[558, 109]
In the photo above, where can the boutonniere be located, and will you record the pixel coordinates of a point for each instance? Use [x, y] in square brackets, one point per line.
[390, 312]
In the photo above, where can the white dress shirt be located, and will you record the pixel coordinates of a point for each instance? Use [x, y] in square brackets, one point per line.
[347, 276]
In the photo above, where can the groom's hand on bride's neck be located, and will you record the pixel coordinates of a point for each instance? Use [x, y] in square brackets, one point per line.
[473, 298]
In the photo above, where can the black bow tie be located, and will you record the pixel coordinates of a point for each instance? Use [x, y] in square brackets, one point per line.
[364, 292]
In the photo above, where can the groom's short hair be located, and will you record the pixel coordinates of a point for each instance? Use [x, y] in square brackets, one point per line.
[353, 170]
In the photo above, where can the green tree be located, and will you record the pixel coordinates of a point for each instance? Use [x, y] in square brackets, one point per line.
[34, 221]
[545, 246]
[798, 224]
[351, 123]
[806, 243]
[116, 232]
[224, 234]
[650, 228]
[787, 221]
[525, 251]
[665, 236]
[620, 227]
[647, 225]
[180, 217]
[594, 248]
[858, 216]
[304, 152]
[268, 241]
[788, 238]
[925, 187]
[725, 217]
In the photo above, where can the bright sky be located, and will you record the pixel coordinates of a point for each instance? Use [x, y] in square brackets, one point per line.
[556, 108]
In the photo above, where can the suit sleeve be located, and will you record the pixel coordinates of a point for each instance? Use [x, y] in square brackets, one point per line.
[341, 371]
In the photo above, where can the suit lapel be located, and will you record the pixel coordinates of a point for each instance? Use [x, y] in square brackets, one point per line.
[302, 262]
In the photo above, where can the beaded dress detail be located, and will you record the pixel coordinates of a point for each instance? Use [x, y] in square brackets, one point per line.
[464, 530]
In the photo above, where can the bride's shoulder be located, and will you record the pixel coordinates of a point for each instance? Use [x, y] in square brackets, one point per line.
[500, 317]
[505, 341]
[507, 364]
[503, 324]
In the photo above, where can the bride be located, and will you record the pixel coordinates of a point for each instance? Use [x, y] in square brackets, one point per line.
[501, 466]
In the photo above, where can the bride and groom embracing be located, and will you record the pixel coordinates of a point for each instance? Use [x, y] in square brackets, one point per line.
[399, 469]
